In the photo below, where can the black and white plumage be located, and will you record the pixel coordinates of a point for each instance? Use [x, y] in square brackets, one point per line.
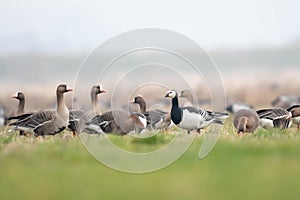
[118, 121]
[157, 119]
[275, 118]
[46, 122]
[191, 118]
[236, 106]
[295, 110]
[78, 118]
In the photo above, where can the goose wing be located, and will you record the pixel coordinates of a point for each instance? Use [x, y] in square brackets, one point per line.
[272, 114]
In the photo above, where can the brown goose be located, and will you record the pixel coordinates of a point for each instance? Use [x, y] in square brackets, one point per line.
[78, 118]
[21, 106]
[118, 121]
[245, 121]
[295, 110]
[21, 97]
[275, 118]
[155, 118]
[46, 122]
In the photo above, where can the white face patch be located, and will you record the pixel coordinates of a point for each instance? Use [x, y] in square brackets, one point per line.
[171, 94]
[16, 94]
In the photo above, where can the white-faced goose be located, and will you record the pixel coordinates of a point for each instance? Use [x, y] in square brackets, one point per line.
[78, 118]
[46, 122]
[236, 106]
[191, 118]
[21, 106]
[21, 97]
[118, 121]
[245, 121]
[275, 118]
[155, 118]
[295, 110]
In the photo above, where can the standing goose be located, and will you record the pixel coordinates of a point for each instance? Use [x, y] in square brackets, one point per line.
[245, 121]
[21, 97]
[191, 118]
[118, 121]
[46, 122]
[21, 106]
[78, 118]
[275, 118]
[295, 110]
[155, 118]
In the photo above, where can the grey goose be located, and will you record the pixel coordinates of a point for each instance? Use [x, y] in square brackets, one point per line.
[157, 119]
[275, 118]
[191, 118]
[245, 121]
[118, 121]
[285, 101]
[295, 110]
[46, 122]
[21, 106]
[78, 118]
[236, 106]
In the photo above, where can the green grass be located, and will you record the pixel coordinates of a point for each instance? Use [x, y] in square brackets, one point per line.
[265, 165]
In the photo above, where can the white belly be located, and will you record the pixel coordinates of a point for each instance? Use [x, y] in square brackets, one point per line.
[296, 120]
[191, 121]
[266, 123]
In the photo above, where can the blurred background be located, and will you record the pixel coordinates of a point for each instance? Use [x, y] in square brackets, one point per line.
[255, 44]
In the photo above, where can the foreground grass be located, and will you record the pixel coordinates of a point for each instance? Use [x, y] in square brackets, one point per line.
[265, 165]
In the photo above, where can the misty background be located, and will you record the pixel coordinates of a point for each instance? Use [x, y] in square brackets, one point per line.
[255, 44]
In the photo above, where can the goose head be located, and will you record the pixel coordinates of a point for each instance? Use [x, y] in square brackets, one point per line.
[171, 94]
[18, 95]
[138, 100]
[98, 89]
[63, 88]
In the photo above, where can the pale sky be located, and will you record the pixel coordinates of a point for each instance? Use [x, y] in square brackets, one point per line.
[68, 26]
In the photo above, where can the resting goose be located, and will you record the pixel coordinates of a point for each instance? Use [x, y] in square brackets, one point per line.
[78, 118]
[275, 118]
[245, 121]
[46, 122]
[236, 106]
[191, 118]
[119, 121]
[285, 101]
[295, 110]
[155, 118]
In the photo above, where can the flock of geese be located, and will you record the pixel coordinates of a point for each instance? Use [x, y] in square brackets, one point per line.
[189, 118]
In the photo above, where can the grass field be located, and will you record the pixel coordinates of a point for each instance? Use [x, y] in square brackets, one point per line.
[265, 165]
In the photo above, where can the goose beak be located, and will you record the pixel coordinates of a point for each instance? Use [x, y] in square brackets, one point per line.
[69, 89]
[103, 90]
[14, 96]
[289, 116]
[167, 95]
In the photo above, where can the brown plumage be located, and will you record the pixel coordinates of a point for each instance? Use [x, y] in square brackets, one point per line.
[245, 121]
[155, 118]
[295, 110]
[118, 121]
[46, 122]
[78, 118]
